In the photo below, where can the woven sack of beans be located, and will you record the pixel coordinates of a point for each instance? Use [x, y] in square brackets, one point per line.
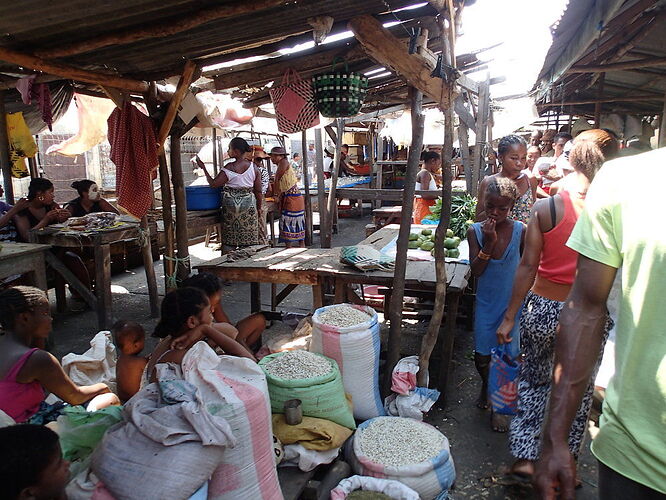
[312, 378]
[235, 389]
[405, 450]
[349, 334]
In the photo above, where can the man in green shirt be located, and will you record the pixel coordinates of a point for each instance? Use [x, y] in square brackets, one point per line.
[620, 227]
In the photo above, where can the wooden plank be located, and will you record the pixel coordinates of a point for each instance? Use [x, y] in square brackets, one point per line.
[35, 63]
[481, 129]
[262, 275]
[174, 105]
[388, 50]
[161, 29]
[452, 301]
[463, 113]
[69, 276]
[266, 258]
[331, 206]
[619, 66]
[151, 281]
[357, 193]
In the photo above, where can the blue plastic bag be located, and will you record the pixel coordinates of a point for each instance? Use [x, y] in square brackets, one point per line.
[503, 380]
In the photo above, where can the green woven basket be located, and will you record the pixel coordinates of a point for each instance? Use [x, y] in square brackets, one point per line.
[339, 94]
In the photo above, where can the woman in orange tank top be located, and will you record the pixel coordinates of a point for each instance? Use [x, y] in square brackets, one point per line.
[543, 280]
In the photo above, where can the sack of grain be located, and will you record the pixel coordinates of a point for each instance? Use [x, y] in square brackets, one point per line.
[393, 489]
[412, 452]
[312, 378]
[349, 334]
[235, 388]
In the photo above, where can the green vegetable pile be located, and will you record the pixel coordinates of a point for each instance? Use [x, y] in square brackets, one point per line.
[463, 208]
[425, 240]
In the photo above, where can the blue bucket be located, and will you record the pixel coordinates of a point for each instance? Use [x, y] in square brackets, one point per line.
[203, 197]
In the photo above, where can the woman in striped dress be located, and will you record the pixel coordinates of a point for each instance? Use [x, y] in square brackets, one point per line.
[290, 201]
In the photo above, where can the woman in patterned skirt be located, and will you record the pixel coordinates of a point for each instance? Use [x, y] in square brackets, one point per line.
[241, 199]
[290, 201]
[543, 279]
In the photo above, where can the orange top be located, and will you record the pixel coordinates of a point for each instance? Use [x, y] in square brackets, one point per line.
[558, 261]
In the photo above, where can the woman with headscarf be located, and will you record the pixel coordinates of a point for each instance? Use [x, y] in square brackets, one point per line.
[290, 200]
[242, 196]
[89, 200]
[543, 280]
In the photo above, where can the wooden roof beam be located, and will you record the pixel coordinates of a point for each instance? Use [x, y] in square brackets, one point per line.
[632, 98]
[178, 96]
[306, 65]
[619, 66]
[162, 29]
[388, 50]
[70, 72]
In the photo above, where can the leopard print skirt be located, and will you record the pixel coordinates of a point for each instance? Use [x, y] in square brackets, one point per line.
[538, 325]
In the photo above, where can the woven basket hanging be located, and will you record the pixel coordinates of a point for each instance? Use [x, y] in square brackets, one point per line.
[339, 93]
[294, 103]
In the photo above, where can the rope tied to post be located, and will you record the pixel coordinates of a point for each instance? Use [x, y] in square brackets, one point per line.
[172, 280]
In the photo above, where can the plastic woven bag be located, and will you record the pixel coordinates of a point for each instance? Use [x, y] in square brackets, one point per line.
[503, 380]
[294, 103]
[366, 258]
[321, 397]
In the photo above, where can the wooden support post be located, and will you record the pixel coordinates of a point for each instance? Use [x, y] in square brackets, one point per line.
[147, 253]
[306, 184]
[662, 127]
[324, 234]
[332, 205]
[463, 139]
[597, 105]
[380, 167]
[215, 160]
[167, 219]
[182, 237]
[481, 128]
[178, 96]
[5, 162]
[395, 311]
[430, 338]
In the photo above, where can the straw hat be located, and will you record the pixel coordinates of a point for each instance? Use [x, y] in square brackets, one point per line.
[258, 152]
[277, 150]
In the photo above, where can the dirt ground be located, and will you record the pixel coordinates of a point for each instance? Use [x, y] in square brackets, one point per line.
[481, 456]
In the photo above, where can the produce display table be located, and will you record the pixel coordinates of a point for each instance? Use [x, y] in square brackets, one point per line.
[302, 266]
[24, 258]
[100, 241]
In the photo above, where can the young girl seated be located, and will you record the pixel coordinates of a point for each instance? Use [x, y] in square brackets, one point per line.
[186, 318]
[495, 246]
[31, 464]
[130, 339]
[249, 329]
[25, 372]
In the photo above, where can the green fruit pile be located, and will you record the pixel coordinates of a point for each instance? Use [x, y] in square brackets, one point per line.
[425, 240]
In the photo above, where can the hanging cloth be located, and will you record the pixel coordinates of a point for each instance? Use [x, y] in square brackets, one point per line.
[42, 93]
[134, 152]
[93, 113]
[21, 144]
[24, 86]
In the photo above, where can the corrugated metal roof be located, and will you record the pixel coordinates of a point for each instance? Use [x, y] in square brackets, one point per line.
[620, 38]
[39, 25]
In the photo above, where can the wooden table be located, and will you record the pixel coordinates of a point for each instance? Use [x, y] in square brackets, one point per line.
[24, 258]
[301, 266]
[100, 241]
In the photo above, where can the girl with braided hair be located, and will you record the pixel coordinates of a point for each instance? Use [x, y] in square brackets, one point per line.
[512, 155]
[27, 373]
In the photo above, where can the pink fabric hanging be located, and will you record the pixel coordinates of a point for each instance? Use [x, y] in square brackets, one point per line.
[43, 94]
[134, 151]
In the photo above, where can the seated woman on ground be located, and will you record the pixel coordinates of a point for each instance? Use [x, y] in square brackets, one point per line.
[41, 212]
[26, 373]
[130, 339]
[185, 319]
[89, 200]
[248, 330]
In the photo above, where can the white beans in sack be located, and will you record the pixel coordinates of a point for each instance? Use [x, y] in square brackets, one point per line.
[343, 316]
[294, 365]
[400, 441]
